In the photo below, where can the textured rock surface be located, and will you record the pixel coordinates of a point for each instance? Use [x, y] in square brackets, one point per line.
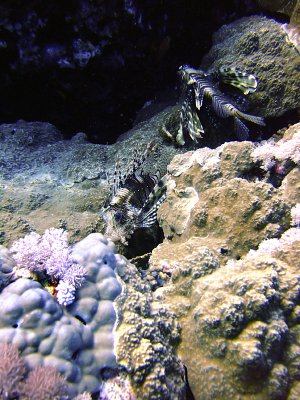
[226, 197]
[238, 307]
[286, 7]
[240, 332]
[77, 341]
[260, 46]
[147, 337]
[46, 181]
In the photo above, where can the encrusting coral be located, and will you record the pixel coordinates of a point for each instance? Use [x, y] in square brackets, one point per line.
[146, 340]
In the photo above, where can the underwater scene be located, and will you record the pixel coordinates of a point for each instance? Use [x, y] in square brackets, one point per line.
[150, 200]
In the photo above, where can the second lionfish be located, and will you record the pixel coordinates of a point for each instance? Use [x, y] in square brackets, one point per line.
[201, 90]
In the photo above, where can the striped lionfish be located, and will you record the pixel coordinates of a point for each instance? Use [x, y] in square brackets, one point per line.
[135, 198]
[201, 89]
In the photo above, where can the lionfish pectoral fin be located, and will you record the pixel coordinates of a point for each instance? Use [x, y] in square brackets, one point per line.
[149, 217]
[199, 96]
[252, 118]
[195, 127]
[179, 137]
[247, 83]
[222, 108]
[241, 130]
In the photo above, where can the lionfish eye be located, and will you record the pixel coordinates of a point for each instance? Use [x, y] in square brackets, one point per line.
[119, 217]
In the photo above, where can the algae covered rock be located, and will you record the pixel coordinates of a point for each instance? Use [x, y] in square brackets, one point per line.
[47, 181]
[260, 46]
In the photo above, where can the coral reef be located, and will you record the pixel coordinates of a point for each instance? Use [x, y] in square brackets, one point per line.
[233, 262]
[105, 328]
[77, 341]
[40, 171]
[216, 310]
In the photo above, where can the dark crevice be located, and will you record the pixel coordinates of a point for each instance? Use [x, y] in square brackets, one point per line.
[138, 52]
[80, 319]
[142, 242]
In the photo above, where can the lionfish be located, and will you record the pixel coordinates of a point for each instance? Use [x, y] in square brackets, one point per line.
[200, 87]
[135, 198]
